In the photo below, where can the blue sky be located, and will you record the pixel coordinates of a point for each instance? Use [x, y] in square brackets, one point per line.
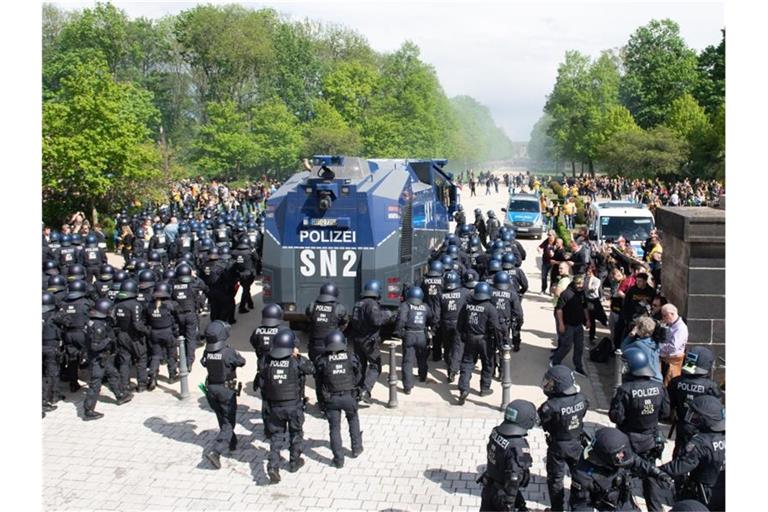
[504, 54]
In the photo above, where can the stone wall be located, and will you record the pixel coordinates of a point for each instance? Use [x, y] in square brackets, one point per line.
[693, 274]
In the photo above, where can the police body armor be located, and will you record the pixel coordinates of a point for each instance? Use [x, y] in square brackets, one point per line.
[641, 413]
[566, 417]
[160, 317]
[416, 321]
[282, 382]
[451, 303]
[261, 339]
[67, 257]
[127, 314]
[161, 243]
[682, 391]
[75, 313]
[50, 332]
[185, 296]
[502, 451]
[711, 446]
[103, 288]
[432, 287]
[99, 336]
[183, 244]
[217, 370]
[323, 319]
[502, 299]
[338, 373]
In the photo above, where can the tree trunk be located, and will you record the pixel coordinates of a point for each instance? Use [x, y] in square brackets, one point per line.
[573, 168]
[591, 168]
[582, 169]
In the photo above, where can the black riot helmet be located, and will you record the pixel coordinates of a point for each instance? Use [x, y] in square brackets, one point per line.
[501, 280]
[451, 281]
[154, 257]
[494, 266]
[372, 289]
[698, 361]
[224, 252]
[452, 251]
[610, 449]
[447, 260]
[162, 291]
[282, 344]
[559, 380]
[335, 342]
[100, 309]
[50, 268]
[76, 289]
[119, 277]
[271, 315]
[482, 291]
[328, 293]
[478, 213]
[216, 336]
[140, 265]
[146, 279]
[130, 265]
[76, 272]
[469, 279]
[91, 240]
[519, 417]
[244, 243]
[414, 295]
[636, 363]
[49, 302]
[706, 413]
[128, 289]
[66, 240]
[183, 273]
[508, 261]
[213, 253]
[169, 274]
[689, 506]
[435, 268]
[77, 239]
[56, 283]
[106, 272]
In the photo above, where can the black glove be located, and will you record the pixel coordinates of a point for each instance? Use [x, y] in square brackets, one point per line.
[662, 476]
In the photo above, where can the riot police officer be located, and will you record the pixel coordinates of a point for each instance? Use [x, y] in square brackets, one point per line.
[509, 459]
[104, 280]
[245, 265]
[452, 301]
[57, 285]
[184, 243]
[492, 225]
[703, 458]
[280, 383]
[222, 390]
[337, 375]
[51, 347]
[72, 317]
[68, 254]
[636, 408]
[562, 418]
[185, 290]
[50, 269]
[432, 286]
[132, 334]
[460, 217]
[325, 315]
[368, 318]
[160, 244]
[508, 305]
[480, 226]
[262, 336]
[93, 257]
[147, 281]
[413, 319]
[602, 479]
[162, 319]
[692, 382]
[480, 327]
[100, 340]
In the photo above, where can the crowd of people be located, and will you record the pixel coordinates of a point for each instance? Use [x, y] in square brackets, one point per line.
[188, 258]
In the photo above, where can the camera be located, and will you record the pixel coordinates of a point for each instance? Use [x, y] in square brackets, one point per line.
[660, 332]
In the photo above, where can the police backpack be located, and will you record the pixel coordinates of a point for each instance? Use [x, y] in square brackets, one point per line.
[601, 353]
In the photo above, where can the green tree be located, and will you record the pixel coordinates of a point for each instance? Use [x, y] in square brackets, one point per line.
[686, 117]
[659, 68]
[329, 134]
[541, 147]
[97, 149]
[224, 146]
[277, 135]
[710, 87]
[644, 153]
[350, 88]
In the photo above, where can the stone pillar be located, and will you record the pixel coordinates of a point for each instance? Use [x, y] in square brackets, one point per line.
[693, 271]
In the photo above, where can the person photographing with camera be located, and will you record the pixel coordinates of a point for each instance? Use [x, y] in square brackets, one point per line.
[646, 334]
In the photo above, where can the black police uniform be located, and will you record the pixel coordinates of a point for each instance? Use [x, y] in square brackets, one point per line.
[184, 244]
[636, 408]
[503, 300]
[280, 384]
[479, 326]
[100, 340]
[159, 242]
[368, 317]
[103, 287]
[324, 317]
[93, 259]
[432, 286]
[451, 304]
[68, 256]
[162, 320]
[337, 376]
[72, 318]
[411, 326]
[703, 460]
[186, 296]
[508, 470]
[51, 355]
[132, 335]
[562, 418]
[245, 265]
[261, 341]
[682, 390]
[220, 277]
[221, 391]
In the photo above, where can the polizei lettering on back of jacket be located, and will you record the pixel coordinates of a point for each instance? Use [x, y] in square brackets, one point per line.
[328, 237]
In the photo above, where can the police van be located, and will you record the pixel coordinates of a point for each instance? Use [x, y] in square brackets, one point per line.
[610, 220]
[523, 214]
[348, 220]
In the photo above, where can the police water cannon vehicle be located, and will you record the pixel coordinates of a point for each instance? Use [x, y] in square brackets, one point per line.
[348, 220]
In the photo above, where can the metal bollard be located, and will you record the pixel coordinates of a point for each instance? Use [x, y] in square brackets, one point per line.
[392, 404]
[506, 375]
[618, 366]
[184, 372]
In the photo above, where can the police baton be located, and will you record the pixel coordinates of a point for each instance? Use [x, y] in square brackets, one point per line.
[184, 373]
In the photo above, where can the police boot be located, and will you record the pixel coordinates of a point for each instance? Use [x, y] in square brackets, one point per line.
[367, 397]
[48, 407]
[295, 465]
[152, 383]
[451, 376]
[233, 443]
[127, 397]
[74, 387]
[338, 463]
[486, 392]
[463, 397]
[274, 475]
[214, 458]
[92, 415]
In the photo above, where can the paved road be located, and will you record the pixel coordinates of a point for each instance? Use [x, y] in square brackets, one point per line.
[424, 455]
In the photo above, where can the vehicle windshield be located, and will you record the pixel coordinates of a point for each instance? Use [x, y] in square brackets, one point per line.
[631, 228]
[523, 206]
